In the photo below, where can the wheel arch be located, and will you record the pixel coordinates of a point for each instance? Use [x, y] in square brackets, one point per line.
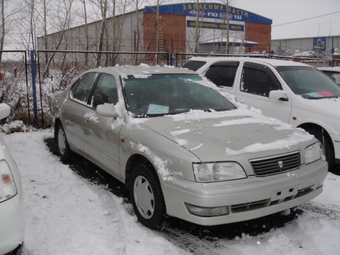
[132, 162]
[57, 122]
[323, 132]
[313, 126]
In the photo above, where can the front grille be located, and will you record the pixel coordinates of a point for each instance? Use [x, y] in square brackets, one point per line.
[276, 165]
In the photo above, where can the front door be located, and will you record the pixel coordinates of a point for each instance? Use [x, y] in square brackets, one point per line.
[101, 134]
[255, 83]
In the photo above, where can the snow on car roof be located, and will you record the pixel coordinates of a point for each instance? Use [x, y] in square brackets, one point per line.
[142, 70]
[273, 62]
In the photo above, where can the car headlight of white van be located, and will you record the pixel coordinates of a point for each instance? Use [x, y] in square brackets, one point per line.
[314, 153]
[218, 171]
[7, 184]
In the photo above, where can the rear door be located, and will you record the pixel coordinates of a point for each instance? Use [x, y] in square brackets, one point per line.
[74, 109]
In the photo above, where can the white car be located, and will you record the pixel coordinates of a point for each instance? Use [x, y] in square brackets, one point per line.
[333, 72]
[184, 150]
[11, 203]
[292, 92]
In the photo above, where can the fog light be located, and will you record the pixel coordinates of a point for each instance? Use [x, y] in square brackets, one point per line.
[207, 211]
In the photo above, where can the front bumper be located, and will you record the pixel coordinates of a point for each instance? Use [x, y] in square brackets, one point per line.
[246, 199]
[12, 225]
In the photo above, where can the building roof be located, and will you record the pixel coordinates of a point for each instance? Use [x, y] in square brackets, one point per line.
[232, 41]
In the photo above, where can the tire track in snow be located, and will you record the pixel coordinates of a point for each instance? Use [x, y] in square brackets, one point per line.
[196, 245]
[328, 213]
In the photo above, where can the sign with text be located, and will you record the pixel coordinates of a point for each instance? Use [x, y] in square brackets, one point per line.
[212, 25]
[208, 10]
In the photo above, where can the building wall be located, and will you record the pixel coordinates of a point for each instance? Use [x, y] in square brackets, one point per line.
[303, 45]
[172, 33]
[260, 33]
[136, 31]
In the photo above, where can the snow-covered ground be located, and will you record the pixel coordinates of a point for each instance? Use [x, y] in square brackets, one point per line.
[67, 214]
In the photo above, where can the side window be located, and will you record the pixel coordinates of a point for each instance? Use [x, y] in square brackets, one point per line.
[222, 73]
[82, 88]
[258, 79]
[106, 91]
[194, 65]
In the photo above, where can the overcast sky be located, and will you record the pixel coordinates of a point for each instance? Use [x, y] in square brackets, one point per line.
[297, 18]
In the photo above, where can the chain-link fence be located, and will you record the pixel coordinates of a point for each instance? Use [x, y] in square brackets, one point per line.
[14, 84]
[54, 70]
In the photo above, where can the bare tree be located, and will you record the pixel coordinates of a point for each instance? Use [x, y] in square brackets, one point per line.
[103, 10]
[198, 29]
[86, 30]
[137, 31]
[196, 35]
[2, 26]
[227, 21]
[8, 14]
[64, 23]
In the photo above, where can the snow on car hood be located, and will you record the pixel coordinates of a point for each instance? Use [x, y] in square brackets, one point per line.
[214, 135]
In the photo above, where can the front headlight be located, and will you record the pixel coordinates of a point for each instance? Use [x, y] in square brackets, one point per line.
[314, 153]
[219, 171]
[7, 184]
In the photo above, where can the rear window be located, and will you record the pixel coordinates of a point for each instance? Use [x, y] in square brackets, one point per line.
[223, 73]
[194, 65]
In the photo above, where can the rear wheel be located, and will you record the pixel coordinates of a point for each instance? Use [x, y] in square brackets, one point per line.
[147, 197]
[63, 146]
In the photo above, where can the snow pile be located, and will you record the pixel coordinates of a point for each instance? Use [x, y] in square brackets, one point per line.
[66, 214]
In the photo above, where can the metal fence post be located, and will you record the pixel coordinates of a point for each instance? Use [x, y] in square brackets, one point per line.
[170, 60]
[35, 111]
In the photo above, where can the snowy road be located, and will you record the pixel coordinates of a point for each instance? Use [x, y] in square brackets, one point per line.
[68, 214]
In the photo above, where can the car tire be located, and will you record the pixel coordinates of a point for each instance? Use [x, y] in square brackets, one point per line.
[147, 197]
[326, 143]
[63, 146]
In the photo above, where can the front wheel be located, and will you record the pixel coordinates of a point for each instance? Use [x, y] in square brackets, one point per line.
[147, 197]
[63, 146]
[327, 146]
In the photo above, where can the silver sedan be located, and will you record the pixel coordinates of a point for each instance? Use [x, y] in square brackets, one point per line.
[183, 149]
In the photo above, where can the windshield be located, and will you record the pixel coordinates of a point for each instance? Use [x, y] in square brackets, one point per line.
[309, 82]
[164, 94]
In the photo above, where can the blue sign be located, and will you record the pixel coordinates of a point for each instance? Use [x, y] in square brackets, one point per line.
[319, 44]
[208, 10]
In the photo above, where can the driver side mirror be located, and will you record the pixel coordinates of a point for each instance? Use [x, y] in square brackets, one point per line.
[107, 110]
[278, 95]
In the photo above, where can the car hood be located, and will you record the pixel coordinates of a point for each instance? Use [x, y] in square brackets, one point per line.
[215, 136]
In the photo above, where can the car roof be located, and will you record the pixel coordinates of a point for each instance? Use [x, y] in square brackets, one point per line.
[141, 70]
[329, 68]
[273, 62]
